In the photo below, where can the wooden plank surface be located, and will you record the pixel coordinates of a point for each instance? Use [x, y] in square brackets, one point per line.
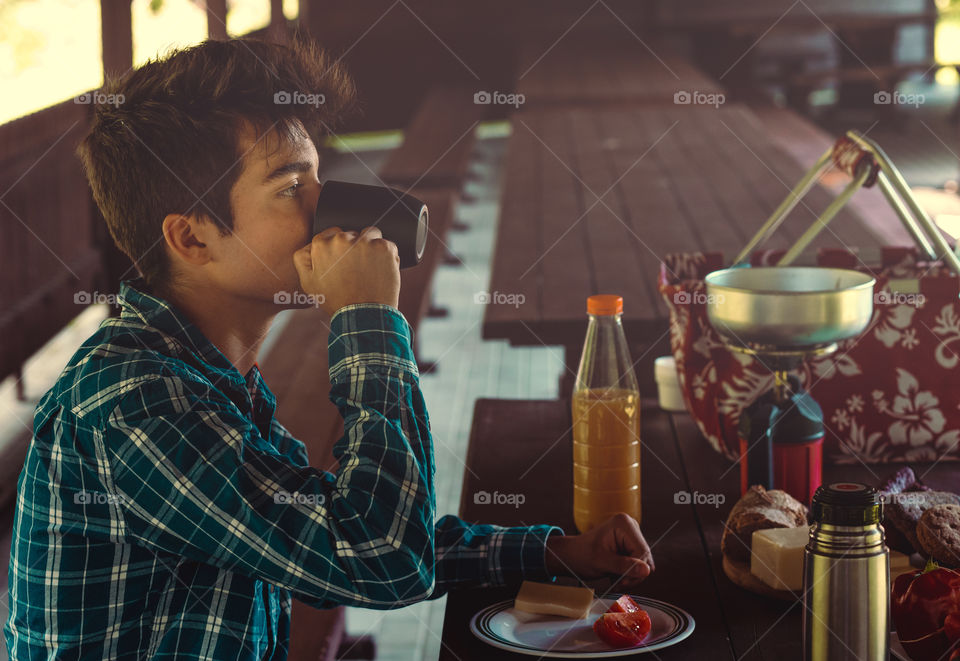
[519, 446]
[806, 142]
[685, 178]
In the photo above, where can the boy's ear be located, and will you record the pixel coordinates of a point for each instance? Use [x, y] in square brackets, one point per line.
[184, 236]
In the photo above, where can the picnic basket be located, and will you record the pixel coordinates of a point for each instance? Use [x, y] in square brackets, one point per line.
[890, 394]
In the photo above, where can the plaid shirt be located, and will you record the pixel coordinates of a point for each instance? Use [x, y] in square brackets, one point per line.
[163, 512]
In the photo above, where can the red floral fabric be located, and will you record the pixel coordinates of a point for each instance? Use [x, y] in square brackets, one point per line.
[891, 394]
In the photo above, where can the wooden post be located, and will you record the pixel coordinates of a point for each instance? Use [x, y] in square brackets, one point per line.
[117, 43]
[307, 11]
[278, 23]
[217, 19]
[116, 37]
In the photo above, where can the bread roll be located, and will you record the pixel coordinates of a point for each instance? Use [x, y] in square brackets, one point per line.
[756, 510]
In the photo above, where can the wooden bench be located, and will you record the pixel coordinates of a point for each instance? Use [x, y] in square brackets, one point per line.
[437, 142]
[416, 283]
[432, 163]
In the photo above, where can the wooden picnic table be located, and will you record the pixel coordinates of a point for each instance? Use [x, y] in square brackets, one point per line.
[595, 197]
[521, 446]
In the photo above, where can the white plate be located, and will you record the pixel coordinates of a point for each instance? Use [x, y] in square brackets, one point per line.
[503, 626]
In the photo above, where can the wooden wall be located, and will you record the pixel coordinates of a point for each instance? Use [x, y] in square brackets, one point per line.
[50, 234]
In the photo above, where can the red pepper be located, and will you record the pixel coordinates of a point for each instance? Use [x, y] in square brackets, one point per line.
[925, 606]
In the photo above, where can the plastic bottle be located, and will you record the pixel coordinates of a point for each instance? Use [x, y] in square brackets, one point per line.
[606, 420]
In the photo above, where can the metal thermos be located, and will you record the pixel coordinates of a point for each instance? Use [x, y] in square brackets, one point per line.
[846, 577]
[401, 217]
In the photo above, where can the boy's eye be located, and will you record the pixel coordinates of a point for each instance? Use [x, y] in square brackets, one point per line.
[291, 191]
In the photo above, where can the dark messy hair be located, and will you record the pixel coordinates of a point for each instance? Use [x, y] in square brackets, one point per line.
[165, 137]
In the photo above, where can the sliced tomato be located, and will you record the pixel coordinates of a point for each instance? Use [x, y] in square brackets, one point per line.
[623, 629]
[624, 604]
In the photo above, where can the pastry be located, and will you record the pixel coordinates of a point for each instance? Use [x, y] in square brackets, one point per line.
[905, 509]
[939, 534]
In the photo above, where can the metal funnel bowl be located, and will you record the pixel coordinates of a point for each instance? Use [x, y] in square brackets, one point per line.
[788, 307]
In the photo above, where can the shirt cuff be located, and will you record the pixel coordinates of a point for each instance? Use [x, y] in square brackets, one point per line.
[372, 334]
[520, 553]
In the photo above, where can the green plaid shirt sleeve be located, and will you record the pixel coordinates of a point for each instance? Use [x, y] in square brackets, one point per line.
[162, 511]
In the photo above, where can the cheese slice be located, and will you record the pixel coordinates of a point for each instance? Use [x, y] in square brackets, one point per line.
[550, 599]
[776, 556]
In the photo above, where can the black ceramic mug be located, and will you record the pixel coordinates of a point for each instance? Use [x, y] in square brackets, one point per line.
[401, 217]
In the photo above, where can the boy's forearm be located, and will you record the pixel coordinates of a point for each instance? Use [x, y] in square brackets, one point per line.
[481, 555]
[385, 455]
[373, 374]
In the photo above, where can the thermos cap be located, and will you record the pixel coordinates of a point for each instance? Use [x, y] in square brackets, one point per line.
[847, 504]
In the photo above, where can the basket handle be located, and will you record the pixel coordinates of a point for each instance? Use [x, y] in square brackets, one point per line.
[866, 163]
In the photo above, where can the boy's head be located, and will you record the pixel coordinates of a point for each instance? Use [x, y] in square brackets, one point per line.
[180, 165]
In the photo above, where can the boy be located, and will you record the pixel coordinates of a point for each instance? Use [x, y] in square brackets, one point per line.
[162, 511]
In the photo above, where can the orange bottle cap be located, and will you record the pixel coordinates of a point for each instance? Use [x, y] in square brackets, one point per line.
[605, 304]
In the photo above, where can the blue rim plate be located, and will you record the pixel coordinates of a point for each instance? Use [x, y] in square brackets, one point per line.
[502, 626]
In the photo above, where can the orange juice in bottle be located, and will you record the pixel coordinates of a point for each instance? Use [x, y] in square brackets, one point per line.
[606, 421]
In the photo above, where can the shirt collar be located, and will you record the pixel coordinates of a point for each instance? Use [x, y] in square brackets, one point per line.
[249, 392]
[137, 301]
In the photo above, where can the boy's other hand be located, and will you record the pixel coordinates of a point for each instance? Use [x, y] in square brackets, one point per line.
[615, 549]
[349, 267]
